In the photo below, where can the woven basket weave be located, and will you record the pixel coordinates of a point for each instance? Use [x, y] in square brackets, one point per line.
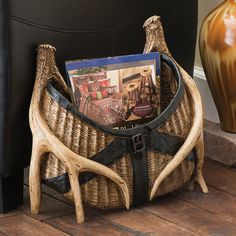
[86, 141]
[106, 167]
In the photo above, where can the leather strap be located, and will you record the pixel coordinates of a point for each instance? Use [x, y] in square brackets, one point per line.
[140, 177]
[153, 141]
[135, 141]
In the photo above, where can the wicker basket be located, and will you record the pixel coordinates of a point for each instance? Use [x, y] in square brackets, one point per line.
[104, 167]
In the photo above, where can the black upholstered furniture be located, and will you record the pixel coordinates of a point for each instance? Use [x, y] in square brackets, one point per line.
[79, 29]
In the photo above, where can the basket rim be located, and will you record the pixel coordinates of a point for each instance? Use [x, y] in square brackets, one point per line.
[149, 126]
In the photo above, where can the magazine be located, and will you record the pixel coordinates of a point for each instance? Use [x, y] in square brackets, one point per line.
[117, 91]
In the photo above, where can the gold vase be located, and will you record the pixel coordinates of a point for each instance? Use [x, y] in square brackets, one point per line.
[217, 44]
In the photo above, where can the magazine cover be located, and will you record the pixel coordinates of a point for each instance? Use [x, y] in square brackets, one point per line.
[118, 91]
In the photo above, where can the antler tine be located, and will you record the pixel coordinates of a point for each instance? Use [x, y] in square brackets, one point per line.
[189, 143]
[94, 167]
[192, 89]
[155, 41]
[80, 163]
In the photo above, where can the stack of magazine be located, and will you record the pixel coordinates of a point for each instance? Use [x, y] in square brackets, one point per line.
[120, 92]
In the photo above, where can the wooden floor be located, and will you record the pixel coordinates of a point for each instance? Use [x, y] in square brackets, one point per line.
[181, 213]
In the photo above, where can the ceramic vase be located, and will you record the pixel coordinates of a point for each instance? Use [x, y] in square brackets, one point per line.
[217, 44]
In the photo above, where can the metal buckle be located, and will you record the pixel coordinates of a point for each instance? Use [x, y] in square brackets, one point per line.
[138, 143]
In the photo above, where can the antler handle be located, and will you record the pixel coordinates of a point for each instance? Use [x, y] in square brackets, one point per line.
[155, 39]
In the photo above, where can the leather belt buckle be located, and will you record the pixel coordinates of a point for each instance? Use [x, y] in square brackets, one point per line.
[138, 143]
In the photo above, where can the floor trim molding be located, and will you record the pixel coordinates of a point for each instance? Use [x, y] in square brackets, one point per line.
[210, 112]
[199, 73]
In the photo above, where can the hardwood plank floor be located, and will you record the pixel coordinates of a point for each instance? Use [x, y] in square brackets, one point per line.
[220, 177]
[216, 202]
[181, 213]
[25, 225]
[50, 207]
[190, 217]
